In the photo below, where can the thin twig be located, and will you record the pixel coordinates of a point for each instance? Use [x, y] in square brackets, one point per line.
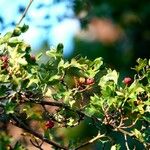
[25, 12]
[126, 142]
[133, 123]
[124, 132]
[91, 141]
[37, 145]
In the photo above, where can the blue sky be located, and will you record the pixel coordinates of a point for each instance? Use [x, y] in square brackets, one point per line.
[49, 21]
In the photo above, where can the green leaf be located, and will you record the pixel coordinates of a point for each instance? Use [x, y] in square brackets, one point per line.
[90, 110]
[147, 119]
[67, 96]
[95, 100]
[24, 28]
[110, 76]
[138, 135]
[16, 80]
[141, 64]
[71, 102]
[18, 146]
[5, 140]
[3, 90]
[115, 147]
[97, 63]
[60, 48]
[22, 61]
[48, 92]
[94, 67]
[54, 53]
[63, 64]
[54, 78]
[14, 41]
[70, 122]
[10, 107]
[6, 37]
[47, 134]
[76, 64]
[33, 81]
[4, 78]
[140, 109]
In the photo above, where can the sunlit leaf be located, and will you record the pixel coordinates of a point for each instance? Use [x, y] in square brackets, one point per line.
[110, 76]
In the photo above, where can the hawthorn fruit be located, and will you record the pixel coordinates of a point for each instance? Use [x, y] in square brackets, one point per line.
[127, 80]
[49, 124]
[89, 81]
[5, 61]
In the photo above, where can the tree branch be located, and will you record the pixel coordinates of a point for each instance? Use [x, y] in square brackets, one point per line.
[59, 104]
[20, 124]
[63, 105]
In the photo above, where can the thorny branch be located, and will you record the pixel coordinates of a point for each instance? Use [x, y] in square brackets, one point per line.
[59, 104]
[37, 144]
[22, 125]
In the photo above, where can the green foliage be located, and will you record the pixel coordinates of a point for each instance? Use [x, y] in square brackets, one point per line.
[4, 140]
[80, 89]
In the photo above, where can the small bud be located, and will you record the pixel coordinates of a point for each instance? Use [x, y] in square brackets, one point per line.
[24, 28]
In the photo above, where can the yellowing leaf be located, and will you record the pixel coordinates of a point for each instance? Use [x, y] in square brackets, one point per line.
[138, 134]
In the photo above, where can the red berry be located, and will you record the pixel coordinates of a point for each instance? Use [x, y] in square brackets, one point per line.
[127, 81]
[49, 124]
[4, 58]
[89, 81]
[5, 61]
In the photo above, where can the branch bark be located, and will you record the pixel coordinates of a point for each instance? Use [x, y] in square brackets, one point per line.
[20, 124]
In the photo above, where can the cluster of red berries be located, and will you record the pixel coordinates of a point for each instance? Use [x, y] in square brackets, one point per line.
[85, 81]
[82, 82]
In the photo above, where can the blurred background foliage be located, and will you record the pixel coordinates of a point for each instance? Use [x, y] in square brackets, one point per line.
[116, 30]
